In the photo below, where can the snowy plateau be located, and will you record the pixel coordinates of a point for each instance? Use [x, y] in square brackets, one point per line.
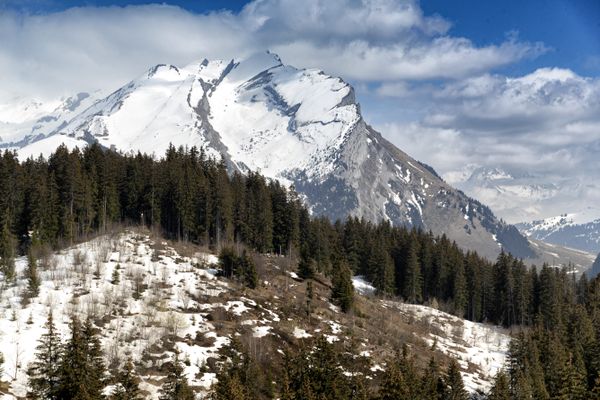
[301, 127]
[183, 298]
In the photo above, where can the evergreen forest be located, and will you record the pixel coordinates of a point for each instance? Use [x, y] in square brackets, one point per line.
[187, 196]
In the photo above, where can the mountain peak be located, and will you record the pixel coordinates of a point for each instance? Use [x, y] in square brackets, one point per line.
[299, 126]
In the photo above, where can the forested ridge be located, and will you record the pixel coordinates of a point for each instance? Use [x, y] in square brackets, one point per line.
[188, 196]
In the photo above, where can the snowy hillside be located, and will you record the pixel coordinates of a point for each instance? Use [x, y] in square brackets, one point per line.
[301, 127]
[161, 294]
[568, 230]
[470, 343]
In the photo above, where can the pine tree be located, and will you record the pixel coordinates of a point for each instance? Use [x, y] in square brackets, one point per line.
[573, 384]
[310, 294]
[81, 368]
[175, 386]
[116, 277]
[459, 288]
[432, 382]
[7, 251]
[229, 388]
[249, 274]
[454, 382]
[501, 388]
[73, 364]
[306, 268]
[411, 290]
[228, 261]
[33, 279]
[595, 392]
[393, 385]
[44, 373]
[95, 360]
[342, 292]
[381, 269]
[127, 387]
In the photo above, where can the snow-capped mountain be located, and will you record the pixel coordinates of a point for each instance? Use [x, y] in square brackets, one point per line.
[301, 127]
[517, 196]
[565, 230]
[23, 121]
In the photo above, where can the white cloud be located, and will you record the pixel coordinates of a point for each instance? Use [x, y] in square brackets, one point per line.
[544, 126]
[91, 48]
[369, 40]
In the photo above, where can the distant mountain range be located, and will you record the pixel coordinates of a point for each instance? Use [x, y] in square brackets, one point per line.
[564, 230]
[518, 197]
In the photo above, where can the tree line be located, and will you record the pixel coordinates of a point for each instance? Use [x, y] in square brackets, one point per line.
[75, 369]
[334, 371]
[189, 196]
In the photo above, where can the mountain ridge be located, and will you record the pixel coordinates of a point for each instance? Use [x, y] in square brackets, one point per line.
[302, 127]
[565, 230]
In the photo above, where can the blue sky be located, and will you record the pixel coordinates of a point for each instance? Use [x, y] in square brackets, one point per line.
[457, 84]
[570, 28]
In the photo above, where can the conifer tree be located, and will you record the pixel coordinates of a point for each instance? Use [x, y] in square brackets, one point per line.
[95, 359]
[81, 368]
[572, 384]
[595, 392]
[249, 274]
[393, 385]
[228, 261]
[381, 269]
[501, 389]
[33, 279]
[310, 294]
[459, 286]
[127, 387]
[7, 250]
[342, 292]
[432, 382]
[44, 373]
[456, 388]
[73, 365]
[175, 386]
[229, 388]
[116, 276]
[306, 268]
[412, 279]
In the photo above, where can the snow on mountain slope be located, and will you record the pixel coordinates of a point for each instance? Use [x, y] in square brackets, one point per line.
[470, 343]
[565, 230]
[518, 197]
[164, 300]
[301, 127]
[24, 121]
[79, 281]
